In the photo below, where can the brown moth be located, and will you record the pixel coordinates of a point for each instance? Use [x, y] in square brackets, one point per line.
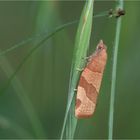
[90, 82]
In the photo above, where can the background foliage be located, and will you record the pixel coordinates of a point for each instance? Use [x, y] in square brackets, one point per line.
[43, 80]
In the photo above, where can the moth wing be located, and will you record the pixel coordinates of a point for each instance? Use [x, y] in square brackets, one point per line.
[86, 96]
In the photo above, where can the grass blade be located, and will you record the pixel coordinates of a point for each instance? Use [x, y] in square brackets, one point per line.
[114, 71]
[80, 52]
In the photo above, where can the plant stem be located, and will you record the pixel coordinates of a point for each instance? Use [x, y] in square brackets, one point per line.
[114, 72]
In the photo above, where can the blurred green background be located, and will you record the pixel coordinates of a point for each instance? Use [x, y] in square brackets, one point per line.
[36, 98]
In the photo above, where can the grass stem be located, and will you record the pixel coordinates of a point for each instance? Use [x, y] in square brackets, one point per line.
[114, 72]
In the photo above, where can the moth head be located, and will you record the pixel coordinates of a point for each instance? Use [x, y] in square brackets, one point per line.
[101, 50]
[101, 46]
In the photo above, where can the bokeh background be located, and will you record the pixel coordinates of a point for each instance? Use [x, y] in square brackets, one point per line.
[35, 100]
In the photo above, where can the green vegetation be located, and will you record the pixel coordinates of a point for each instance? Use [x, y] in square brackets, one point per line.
[38, 75]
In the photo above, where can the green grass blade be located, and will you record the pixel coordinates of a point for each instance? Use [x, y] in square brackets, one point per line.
[114, 72]
[80, 52]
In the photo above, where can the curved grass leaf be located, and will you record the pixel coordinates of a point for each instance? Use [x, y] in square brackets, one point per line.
[45, 34]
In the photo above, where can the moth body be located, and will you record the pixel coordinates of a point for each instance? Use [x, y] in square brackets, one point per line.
[90, 82]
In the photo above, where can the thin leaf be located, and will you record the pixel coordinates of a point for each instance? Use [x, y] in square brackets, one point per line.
[80, 52]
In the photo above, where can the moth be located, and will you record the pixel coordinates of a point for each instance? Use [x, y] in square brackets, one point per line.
[90, 82]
